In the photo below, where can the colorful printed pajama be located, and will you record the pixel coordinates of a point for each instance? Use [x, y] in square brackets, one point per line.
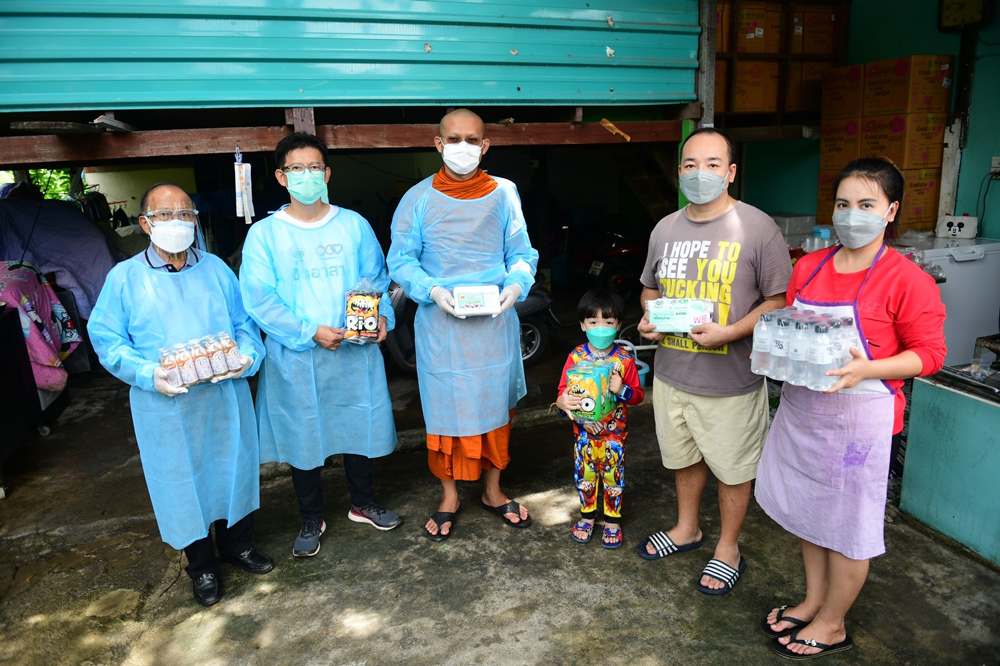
[599, 460]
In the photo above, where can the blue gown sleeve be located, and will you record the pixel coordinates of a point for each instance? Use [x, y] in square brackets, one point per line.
[258, 285]
[110, 337]
[404, 252]
[520, 259]
[247, 335]
[371, 265]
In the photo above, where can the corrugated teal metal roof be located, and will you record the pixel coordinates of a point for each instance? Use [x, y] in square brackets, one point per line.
[119, 54]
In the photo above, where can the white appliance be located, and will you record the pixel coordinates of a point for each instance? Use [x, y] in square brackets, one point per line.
[971, 292]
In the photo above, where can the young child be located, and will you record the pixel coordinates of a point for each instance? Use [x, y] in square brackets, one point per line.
[600, 445]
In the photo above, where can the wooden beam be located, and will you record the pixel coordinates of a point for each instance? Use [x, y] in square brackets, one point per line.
[51, 150]
[53, 127]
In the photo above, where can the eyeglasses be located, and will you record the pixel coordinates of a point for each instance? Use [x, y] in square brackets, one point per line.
[165, 215]
[298, 168]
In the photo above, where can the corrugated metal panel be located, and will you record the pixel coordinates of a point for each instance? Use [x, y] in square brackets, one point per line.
[118, 54]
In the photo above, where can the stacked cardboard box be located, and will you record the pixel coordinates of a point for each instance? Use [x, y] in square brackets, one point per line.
[895, 108]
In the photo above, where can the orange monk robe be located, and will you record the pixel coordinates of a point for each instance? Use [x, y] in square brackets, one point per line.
[476, 187]
[464, 458]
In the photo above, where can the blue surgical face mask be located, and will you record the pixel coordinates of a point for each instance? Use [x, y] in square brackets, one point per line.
[856, 228]
[601, 337]
[307, 187]
[702, 187]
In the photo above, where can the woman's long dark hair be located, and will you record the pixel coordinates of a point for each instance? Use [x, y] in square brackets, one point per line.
[885, 175]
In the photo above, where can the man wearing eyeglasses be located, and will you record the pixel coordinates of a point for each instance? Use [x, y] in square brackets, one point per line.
[318, 397]
[198, 443]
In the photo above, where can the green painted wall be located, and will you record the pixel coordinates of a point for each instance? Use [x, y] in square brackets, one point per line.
[984, 133]
[781, 175]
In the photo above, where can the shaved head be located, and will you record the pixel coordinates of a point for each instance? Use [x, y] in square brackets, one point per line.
[460, 114]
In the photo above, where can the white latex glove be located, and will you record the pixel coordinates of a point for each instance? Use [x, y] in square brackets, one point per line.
[445, 301]
[161, 384]
[508, 297]
[245, 363]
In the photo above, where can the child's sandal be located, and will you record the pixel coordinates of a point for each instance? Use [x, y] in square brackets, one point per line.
[582, 526]
[615, 533]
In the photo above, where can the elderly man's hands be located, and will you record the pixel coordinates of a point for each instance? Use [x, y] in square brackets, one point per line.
[162, 386]
[329, 337]
[245, 363]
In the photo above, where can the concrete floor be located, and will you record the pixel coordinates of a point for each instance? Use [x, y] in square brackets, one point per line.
[84, 578]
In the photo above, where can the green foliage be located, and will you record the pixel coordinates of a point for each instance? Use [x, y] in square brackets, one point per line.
[54, 183]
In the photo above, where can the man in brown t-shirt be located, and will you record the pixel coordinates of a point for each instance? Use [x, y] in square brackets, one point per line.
[711, 410]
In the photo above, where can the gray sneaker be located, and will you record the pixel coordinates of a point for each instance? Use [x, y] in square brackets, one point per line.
[307, 544]
[376, 515]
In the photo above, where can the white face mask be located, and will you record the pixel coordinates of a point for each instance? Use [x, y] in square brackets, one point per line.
[856, 228]
[462, 158]
[172, 236]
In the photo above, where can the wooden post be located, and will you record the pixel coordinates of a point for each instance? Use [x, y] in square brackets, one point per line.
[301, 118]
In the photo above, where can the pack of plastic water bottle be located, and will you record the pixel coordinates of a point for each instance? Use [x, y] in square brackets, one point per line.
[799, 346]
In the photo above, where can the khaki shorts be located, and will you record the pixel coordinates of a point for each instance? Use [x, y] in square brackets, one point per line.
[728, 432]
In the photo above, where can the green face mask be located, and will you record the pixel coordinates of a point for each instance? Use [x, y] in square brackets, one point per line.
[601, 337]
[307, 187]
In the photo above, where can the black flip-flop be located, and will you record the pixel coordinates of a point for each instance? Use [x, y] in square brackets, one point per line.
[780, 649]
[765, 626]
[509, 507]
[440, 518]
[664, 546]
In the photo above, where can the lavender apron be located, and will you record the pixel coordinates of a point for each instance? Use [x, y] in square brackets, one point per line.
[823, 471]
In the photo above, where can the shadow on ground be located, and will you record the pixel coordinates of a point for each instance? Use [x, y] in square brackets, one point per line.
[84, 577]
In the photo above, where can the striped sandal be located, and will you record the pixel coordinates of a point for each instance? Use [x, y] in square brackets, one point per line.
[723, 573]
[664, 546]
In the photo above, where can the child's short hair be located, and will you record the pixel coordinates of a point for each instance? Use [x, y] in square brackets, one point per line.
[606, 301]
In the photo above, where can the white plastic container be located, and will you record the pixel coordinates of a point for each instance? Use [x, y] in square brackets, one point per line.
[474, 301]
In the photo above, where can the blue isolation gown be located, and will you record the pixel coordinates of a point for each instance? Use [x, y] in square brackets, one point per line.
[199, 449]
[469, 370]
[313, 403]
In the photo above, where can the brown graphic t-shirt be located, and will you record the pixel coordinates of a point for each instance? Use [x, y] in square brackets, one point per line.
[734, 260]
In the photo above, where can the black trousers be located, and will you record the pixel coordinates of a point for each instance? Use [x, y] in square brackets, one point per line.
[357, 469]
[895, 463]
[232, 540]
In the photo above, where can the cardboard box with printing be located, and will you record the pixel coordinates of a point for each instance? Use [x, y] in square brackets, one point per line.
[914, 84]
[840, 142]
[820, 32]
[723, 21]
[911, 141]
[756, 87]
[920, 199]
[721, 84]
[750, 33]
[774, 28]
[843, 92]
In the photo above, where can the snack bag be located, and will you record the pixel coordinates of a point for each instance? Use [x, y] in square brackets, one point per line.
[361, 316]
[591, 382]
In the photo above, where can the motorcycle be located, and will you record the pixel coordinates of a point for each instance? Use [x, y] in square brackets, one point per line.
[534, 313]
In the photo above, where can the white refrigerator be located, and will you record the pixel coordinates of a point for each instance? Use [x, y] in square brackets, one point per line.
[971, 292]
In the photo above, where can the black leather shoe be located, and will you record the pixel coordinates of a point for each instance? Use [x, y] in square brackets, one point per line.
[207, 589]
[252, 560]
